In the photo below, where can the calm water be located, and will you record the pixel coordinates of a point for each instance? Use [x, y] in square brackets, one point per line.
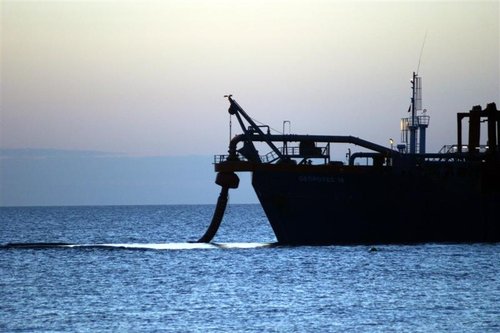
[150, 279]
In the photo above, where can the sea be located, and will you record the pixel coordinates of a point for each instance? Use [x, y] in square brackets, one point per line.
[137, 269]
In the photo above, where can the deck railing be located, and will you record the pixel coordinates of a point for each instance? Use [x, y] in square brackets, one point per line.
[270, 157]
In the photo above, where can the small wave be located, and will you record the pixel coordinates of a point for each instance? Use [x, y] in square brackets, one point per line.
[33, 245]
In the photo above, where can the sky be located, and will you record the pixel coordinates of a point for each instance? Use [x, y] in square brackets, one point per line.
[147, 78]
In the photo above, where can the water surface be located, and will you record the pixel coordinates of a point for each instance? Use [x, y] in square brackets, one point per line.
[134, 268]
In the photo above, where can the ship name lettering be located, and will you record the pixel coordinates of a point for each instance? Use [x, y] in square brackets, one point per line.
[320, 179]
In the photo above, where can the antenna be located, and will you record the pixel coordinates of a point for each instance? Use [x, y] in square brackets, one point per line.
[421, 51]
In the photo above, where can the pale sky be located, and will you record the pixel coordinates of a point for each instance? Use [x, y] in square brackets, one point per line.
[148, 77]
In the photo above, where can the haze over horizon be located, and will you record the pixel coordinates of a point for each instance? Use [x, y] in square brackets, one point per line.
[146, 79]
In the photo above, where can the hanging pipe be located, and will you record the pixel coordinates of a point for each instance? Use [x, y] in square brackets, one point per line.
[226, 180]
[217, 218]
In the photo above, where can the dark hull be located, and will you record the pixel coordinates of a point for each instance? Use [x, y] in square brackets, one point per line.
[366, 205]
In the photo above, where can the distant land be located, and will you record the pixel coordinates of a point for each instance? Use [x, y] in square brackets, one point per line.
[48, 177]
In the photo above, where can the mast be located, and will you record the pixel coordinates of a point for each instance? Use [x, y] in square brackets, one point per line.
[417, 123]
[413, 120]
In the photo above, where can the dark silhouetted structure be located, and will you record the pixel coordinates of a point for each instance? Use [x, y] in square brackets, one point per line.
[379, 195]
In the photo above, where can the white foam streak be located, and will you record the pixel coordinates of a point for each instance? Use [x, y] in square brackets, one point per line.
[176, 246]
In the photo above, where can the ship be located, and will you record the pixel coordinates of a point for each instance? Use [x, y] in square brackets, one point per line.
[379, 195]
